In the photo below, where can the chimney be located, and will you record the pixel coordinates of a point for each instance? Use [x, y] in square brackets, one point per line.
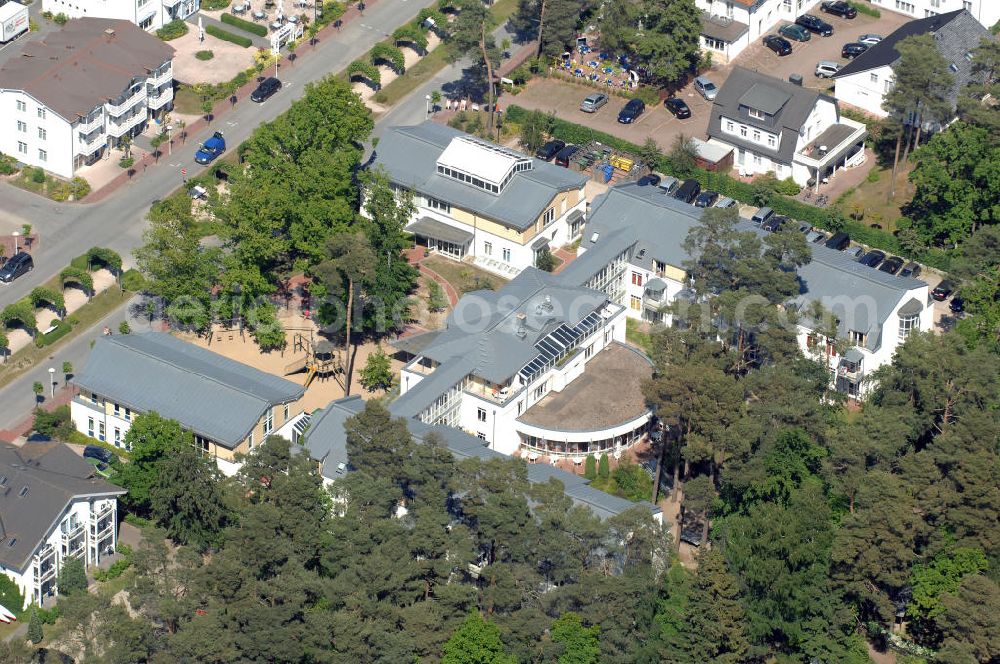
[109, 35]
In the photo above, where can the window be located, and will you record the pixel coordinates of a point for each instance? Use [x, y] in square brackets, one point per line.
[21, 106]
[93, 398]
[128, 414]
[117, 410]
[250, 441]
[770, 141]
[730, 127]
[588, 351]
[811, 341]
[285, 415]
[756, 160]
[637, 279]
[481, 414]
[755, 114]
[549, 215]
[100, 431]
[268, 421]
[506, 255]
[756, 136]
[857, 338]
[488, 248]
[41, 113]
[968, 5]
[90, 427]
[905, 6]
[43, 155]
[831, 348]
[907, 324]
[118, 437]
[520, 407]
[438, 205]
[635, 303]
[743, 131]
[540, 391]
[874, 77]
[481, 436]
[22, 126]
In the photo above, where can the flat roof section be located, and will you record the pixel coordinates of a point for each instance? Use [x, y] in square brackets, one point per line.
[608, 393]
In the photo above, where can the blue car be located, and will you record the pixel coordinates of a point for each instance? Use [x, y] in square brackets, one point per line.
[211, 149]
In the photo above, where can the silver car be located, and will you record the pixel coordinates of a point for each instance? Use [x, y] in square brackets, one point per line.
[826, 68]
[869, 39]
[706, 88]
[593, 102]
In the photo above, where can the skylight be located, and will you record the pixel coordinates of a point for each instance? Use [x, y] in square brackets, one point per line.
[481, 164]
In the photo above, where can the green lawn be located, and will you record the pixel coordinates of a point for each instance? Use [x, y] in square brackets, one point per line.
[636, 333]
[872, 199]
[464, 277]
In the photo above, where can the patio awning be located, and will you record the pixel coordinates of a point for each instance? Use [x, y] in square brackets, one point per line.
[573, 216]
[656, 285]
[539, 243]
[439, 230]
[852, 354]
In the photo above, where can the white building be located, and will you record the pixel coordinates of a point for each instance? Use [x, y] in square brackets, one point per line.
[987, 12]
[864, 81]
[72, 95]
[477, 199]
[633, 252]
[54, 508]
[729, 26]
[774, 125]
[149, 15]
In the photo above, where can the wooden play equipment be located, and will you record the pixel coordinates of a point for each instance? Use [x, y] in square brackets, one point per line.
[320, 358]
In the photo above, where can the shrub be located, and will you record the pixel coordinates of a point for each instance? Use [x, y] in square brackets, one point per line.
[386, 54]
[38, 176]
[214, 5]
[10, 594]
[7, 165]
[873, 176]
[126, 162]
[410, 34]
[380, 97]
[60, 18]
[132, 280]
[20, 311]
[204, 55]
[590, 467]
[118, 567]
[48, 616]
[246, 26]
[865, 8]
[73, 275]
[62, 329]
[79, 188]
[54, 424]
[172, 30]
[225, 35]
[364, 70]
[40, 296]
[72, 577]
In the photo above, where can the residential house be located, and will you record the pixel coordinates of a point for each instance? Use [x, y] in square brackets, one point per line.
[228, 406]
[633, 252]
[987, 12]
[72, 95]
[777, 126]
[729, 26]
[53, 508]
[149, 15]
[864, 81]
[478, 199]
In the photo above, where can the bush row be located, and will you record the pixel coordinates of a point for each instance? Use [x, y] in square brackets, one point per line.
[865, 8]
[172, 30]
[225, 35]
[247, 26]
[62, 329]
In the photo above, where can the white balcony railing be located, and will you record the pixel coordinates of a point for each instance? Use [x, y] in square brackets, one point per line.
[157, 79]
[122, 107]
[117, 129]
[161, 99]
[86, 126]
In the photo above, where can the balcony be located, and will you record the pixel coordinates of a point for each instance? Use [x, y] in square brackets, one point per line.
[88, 125]
[164, 76]
[117, 129]
[121, 105]
[159, 99]
[92, 143]
[835, 143]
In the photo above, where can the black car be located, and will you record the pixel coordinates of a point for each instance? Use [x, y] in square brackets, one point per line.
[839, 8]
[649, 180]
[815, 24]
[564, 155]
[678, 108]
[943, 290]
[706, 199]
[775, 223]
[957, 304]
[779, 45]
[267, 87]
[688, 191]
[853, 50]
[633, 109]
[891, 265]
[910, 270]
[872, 258]
[550, 150]
[839, 241]
[18, 264]
[98, 453]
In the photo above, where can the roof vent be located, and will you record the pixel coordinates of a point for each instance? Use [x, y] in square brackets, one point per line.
[521, 331]
[545, 305]
[341, 467]
[593, 238]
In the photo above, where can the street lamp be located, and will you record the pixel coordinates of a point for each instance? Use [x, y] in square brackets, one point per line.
[170, 142]
[52, 382]
[428, 113]
[15, 234]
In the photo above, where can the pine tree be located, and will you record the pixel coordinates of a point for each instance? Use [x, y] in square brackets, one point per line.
[476, 642]
[590, 467]
[604, 467]
[35, 634]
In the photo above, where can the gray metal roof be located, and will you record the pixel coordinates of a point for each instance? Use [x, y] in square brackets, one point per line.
[724, 29]
[852, 354]
[209, 394]
[787, 107]
[37, 482]
[409, 155]
[439, 231]
[325, 438]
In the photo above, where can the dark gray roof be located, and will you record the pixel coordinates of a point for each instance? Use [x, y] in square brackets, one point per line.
[209, 394]
[787, 107]
[325, 439]
[410, 154]
[852, 354]
[439, 231]
[54, 476]
[726, 30]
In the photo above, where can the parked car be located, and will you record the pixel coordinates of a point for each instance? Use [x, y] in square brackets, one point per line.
[649, 180]
[814, 237]
[815, 24]
[823, 237]
[910, 270]
[853, 50]
[633, 109]
[870, 39]
[688, 191]
[211, 149]
[725, 202]
[826, 68]
[592, 103]
[564, 155]
[804, 228]
[957, 304]
[796, 32]
[706, 88]
[267, 87]
[856, 252]
[775, 223]
[706, 199]
[839, 8]
[678, 107]
[943, 290]
[839, 241]
[19, 264]
[548, 151]
[891, 265]
[99, 454]
[872, 258]
[668, 184]
[761, 215]
[778, 44]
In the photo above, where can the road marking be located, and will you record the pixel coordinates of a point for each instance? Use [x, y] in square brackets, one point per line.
[175, 165]
[231, 123]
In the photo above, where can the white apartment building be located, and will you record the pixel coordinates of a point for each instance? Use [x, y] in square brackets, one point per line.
[74, 94]
[774, 125]
[53, 508]
[864, 81]
[987, 12]
[149, 15]
[729, 26]
[480, 200]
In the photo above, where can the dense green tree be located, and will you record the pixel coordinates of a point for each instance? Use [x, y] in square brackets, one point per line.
[590, 467]
[377, 372]
[580, 643]
[472, 35]
[553, 22]
[986, 73]
[545, 261]
[476, 642]
[662, 36]
[35, 634]
[377, 443]
[970, 622]
[535, 129]
[931, 582]
[150, 440]
[72, 577]
[186, 498]
[603, 467]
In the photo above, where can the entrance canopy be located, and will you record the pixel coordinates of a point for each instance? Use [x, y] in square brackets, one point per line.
[438, 230]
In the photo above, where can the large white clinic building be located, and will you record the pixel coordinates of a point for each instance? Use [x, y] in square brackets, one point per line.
[149, 15]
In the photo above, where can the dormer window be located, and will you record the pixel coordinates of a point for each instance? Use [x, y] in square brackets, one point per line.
[755, 114]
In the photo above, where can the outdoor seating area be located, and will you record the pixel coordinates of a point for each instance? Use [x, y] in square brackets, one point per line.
[597, 68]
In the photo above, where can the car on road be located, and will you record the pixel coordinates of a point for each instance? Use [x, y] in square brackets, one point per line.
[870, 39]
[826, 68]
[633, 109]
[548, 151]
[592, 103]
[267, 87]
[17, 265]
[779, 45]
[796, 32]
[211, 149]
[911, 270]
[853, 50]
[678, 107]
[706, 88]
[815, 24]
[839, 8]
[891, 265]
[943, 290]
[706, 199]
[688, 191]
[564, 155]
[872, 258]
[957, 304]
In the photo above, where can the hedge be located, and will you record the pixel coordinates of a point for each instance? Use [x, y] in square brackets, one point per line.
[390, 55]
[225, 35]
[62, 329]
[246, 26]
[172, 30]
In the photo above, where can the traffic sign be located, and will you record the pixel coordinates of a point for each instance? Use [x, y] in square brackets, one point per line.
[184, 171]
